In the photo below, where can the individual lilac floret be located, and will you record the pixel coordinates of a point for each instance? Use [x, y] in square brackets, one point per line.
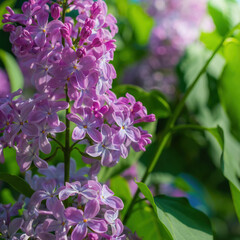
[106, 197]
[74, 188]
[47, 110]
[106, 148]
[126, 128]
[83, 220]
[87, 125]
[48, 192]
[59, 224]
[28, 153]
[116, 225]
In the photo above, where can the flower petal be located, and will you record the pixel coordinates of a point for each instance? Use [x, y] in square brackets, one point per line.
[91, 209]
[98, 226]
[79, 232]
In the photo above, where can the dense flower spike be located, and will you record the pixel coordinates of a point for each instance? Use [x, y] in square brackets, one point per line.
[93, 213]
[72, 55]
[69, 64]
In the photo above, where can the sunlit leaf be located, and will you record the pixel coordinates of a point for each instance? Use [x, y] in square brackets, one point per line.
[229, 85]
[141, 23]
[17, 183]
[145, 222]
[182, 221]
[13, 70]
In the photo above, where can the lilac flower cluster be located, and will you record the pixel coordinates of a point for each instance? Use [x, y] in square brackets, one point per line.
[175, 28]
[92, 211]
[68, 59]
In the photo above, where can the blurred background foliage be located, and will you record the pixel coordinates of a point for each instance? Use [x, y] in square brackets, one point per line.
[161, 48]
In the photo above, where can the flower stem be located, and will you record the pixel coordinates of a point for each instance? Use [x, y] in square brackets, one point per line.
[67, 122]
[167, 132]
[67, 142]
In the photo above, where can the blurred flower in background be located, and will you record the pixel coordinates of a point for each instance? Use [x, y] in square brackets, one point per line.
[177, 24]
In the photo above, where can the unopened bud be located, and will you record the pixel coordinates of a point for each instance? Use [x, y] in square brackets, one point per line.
[95, 10]
[8, 28]
[81, 52]
[55, 11]
[137, 106]
[89, 23]
[86, 32]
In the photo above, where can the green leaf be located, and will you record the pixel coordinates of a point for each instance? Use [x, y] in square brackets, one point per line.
[225, 14]
[236, 199]
[147, 193]
[144, 221]
[227, 161]
[182, 221]
[13, 70]
[6, 196]
[141, 22]
[229, 85]
[3, 5]
[160, 107]
[216, 132]
[17, 183]
[211, 40]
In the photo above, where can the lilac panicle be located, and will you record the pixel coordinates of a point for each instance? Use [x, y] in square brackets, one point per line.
[81, 64]
[68, 61]
[92, 212]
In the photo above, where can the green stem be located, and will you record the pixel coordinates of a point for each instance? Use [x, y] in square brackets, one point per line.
[55, 140]
[85, 154]
[67, 122]
[67, 142]
[167, 132]
[53, 155]
[74, 144]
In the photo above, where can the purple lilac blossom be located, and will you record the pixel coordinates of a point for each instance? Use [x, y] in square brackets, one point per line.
[69, 66]
[175, 28]
[93, 215]
[68, 63]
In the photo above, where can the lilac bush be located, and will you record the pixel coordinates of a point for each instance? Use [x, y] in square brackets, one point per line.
[68, 60]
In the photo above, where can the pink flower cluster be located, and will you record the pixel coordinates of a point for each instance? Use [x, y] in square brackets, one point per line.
[69, 59]
[93, 213]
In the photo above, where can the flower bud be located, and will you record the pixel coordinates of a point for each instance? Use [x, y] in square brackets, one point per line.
[6, 18]
[55, 11]
[89, 23]
[26, 6]
[95, 10]
[66, 30]
[81, 52]
[10, 10]
[150, 118]
[86, 32]
[92, 236]
[137, 106]
[8, 28]
[96, 42]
